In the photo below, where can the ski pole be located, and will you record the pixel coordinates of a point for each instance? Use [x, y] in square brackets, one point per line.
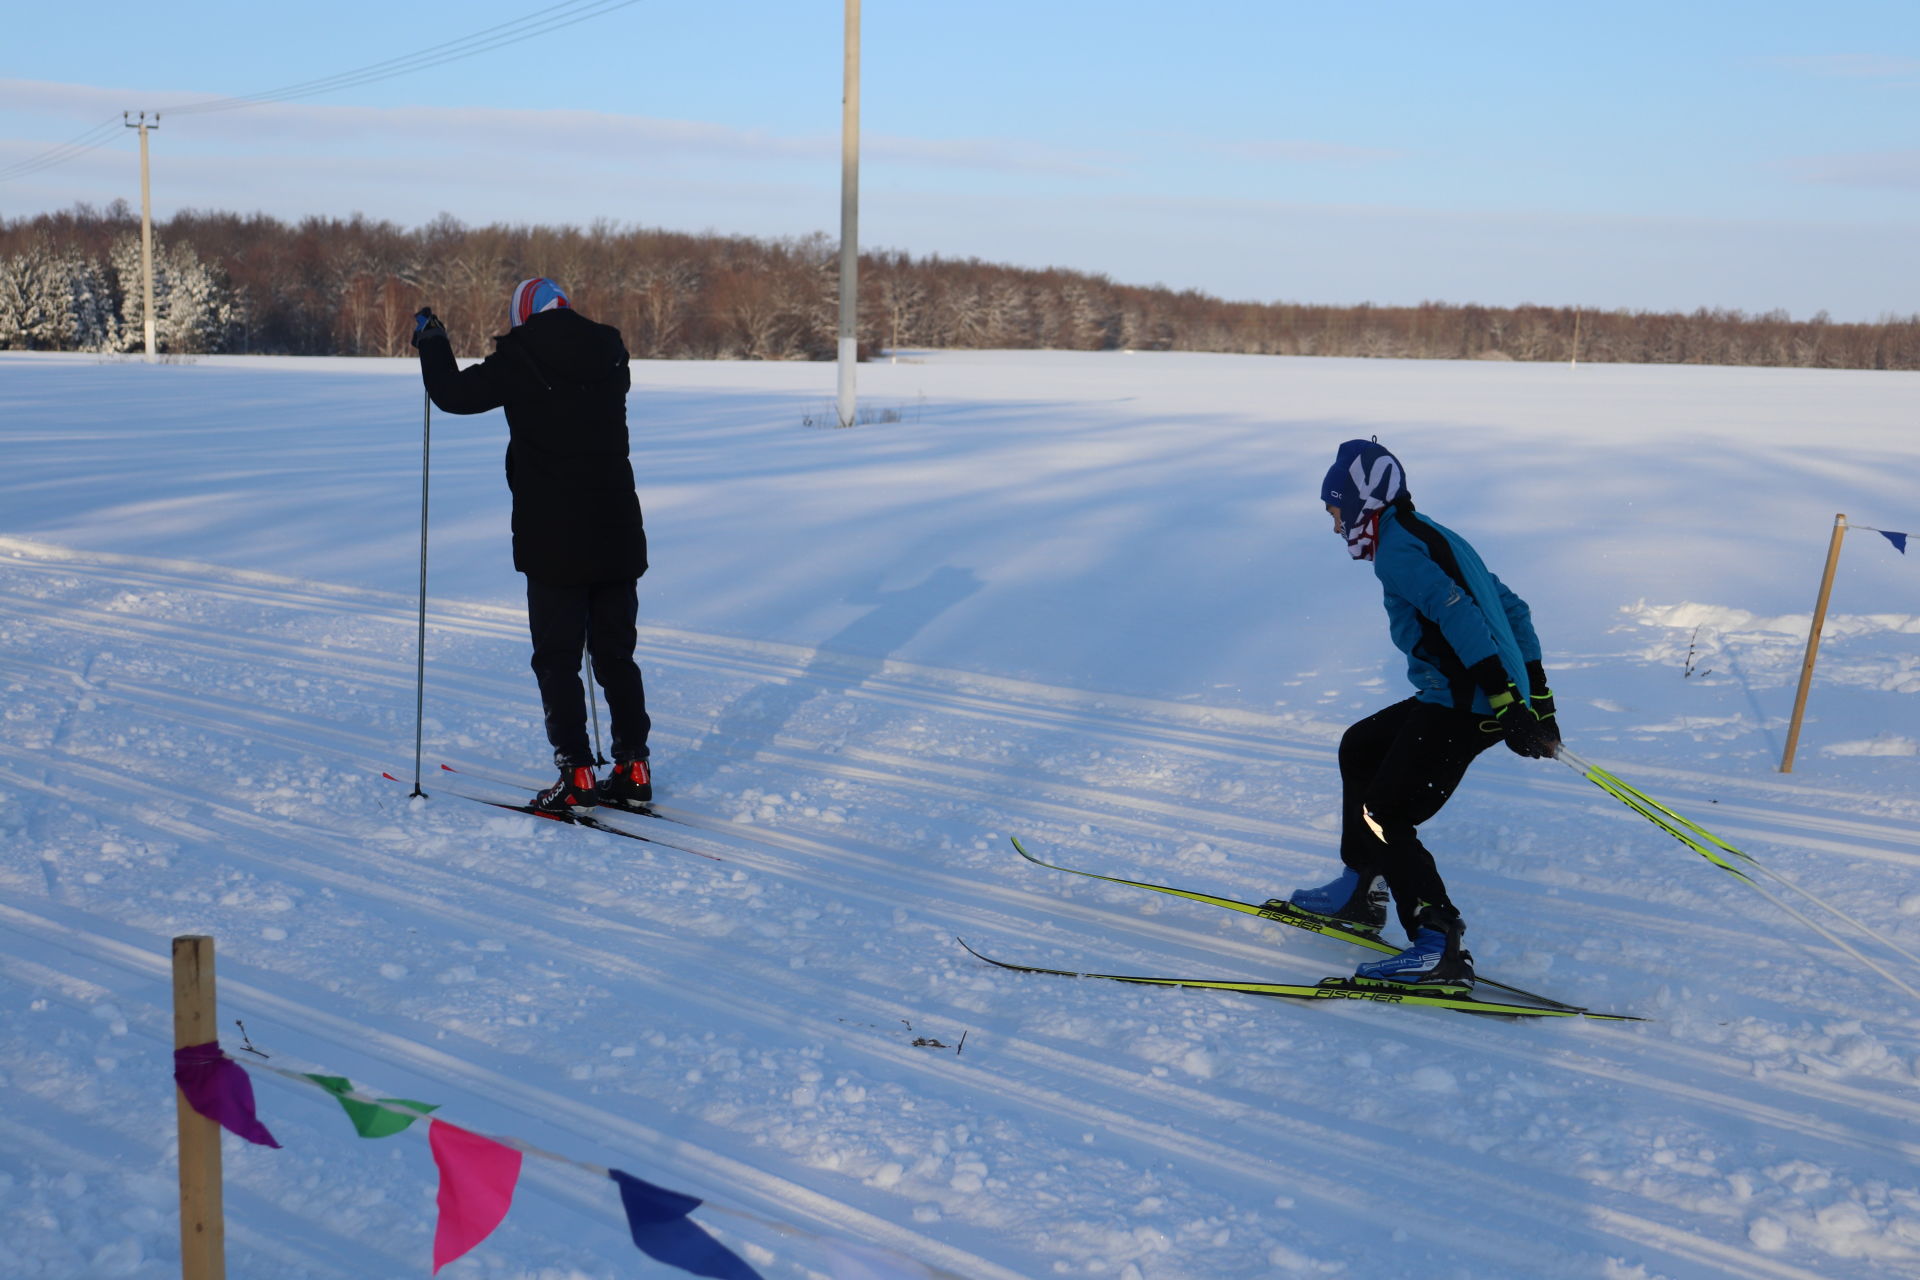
[420, 663]
[1664, 817]
[1710, 847]
[593, 706]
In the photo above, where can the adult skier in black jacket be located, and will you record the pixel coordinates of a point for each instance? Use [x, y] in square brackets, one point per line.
[577, 531]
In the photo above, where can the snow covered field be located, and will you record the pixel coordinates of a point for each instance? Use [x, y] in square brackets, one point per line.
[1087, 599]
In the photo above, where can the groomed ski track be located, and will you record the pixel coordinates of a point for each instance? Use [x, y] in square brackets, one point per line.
[744, 1032]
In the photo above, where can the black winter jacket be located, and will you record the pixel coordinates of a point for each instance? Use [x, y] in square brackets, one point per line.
[563, 380]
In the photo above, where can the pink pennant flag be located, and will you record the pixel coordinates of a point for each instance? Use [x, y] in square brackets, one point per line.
[477, 1177]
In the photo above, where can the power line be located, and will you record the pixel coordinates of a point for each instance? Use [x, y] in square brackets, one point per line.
[98, 136]
[539, 23]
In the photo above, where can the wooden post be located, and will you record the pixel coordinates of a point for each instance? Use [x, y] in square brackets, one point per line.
[203, 1228]
[1813, 642]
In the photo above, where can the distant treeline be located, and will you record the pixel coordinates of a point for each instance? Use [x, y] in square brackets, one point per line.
[327, 286]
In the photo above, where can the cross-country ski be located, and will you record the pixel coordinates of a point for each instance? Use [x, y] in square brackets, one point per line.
[1375, 992]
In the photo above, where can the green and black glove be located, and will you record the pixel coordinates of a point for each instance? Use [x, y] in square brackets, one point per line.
[1542, 697]
[1530, 727]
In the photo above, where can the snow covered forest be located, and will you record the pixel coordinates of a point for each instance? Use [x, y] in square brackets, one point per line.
[228, 282]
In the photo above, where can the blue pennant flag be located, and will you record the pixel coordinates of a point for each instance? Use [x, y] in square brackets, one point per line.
[658, 1219]
[1899, 540]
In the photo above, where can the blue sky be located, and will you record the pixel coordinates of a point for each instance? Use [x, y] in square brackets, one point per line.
[1662, 156]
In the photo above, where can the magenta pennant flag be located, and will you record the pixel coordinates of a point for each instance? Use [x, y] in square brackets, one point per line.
[477, 1178]
[219, 1088]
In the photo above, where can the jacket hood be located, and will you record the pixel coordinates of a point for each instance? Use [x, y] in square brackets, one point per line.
[565, 347]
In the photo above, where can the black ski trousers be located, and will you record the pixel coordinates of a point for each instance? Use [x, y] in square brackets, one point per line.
[1398, 766]
[599, 618]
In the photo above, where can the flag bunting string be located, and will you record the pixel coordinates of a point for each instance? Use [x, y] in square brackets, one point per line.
[479, 1172]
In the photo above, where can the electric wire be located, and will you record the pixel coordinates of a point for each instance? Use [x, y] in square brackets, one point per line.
[541, 22]
[93, 138]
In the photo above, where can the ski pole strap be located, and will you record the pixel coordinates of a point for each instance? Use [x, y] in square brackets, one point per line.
[1686, 831]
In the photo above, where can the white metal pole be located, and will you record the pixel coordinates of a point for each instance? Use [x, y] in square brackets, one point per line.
[850, 216]
[146, 228]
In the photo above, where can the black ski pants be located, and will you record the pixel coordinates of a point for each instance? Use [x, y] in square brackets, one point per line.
[1398, 766]
[601, 619]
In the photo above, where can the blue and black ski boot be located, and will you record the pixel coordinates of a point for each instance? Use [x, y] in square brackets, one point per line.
[1354, 901]
[1433, 960]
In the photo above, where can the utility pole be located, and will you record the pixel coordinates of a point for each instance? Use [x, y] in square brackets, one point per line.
[146, 223]
[850, 216]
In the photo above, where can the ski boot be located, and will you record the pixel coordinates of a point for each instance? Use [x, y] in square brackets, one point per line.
[576, 789]
[1433, 961]
[629, 786]
[1355, 902]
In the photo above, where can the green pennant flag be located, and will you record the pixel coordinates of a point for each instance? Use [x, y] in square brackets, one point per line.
[370, 1121]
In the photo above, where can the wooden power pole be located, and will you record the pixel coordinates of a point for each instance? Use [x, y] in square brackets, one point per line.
[146, 223]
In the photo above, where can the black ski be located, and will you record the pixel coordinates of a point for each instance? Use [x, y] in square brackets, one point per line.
[1285, 913]
[1334, 989]
[576, 819]
[678, 817]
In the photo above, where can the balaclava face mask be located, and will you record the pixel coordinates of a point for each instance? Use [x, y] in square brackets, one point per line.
[533, 296]
[1363, 481]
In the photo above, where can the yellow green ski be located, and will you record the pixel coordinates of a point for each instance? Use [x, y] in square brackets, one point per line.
[1332, 989]
[1287, 914]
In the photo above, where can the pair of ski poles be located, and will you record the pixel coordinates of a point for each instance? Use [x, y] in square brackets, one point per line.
[1738, 864]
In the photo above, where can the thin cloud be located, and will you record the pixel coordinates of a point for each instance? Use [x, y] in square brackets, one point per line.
[1874, 170]
[1306, 151]
[489, 129]
[1854, 66]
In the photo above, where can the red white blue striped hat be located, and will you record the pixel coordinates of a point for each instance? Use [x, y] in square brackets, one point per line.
[537, 294]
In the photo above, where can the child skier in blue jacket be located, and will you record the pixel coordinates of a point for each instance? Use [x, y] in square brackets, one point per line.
[1475, 665]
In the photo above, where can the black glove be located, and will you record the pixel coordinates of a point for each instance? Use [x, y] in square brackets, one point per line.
[1541, 695]
[427, 325]
[1529, 732]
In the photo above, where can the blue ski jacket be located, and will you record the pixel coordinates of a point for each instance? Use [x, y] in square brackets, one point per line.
[1448, 613]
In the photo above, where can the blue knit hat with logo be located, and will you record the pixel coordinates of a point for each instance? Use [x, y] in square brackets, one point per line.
[1363, 481]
